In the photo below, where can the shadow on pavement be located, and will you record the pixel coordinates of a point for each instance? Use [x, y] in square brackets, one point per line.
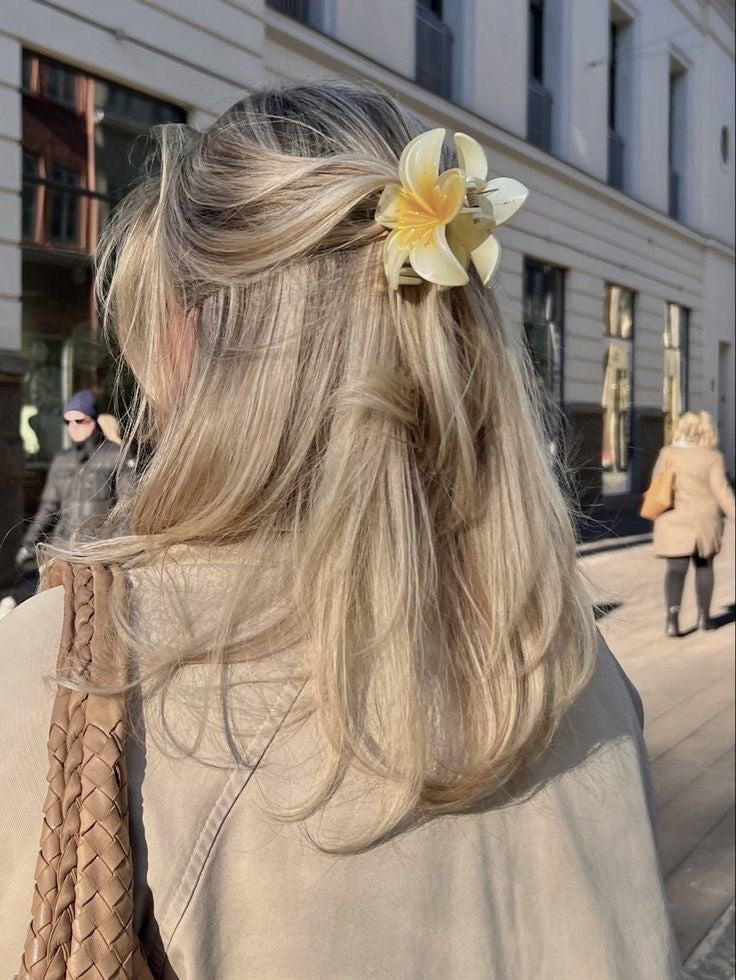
[729, 616]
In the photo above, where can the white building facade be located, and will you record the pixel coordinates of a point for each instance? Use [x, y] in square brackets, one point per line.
[618, 115]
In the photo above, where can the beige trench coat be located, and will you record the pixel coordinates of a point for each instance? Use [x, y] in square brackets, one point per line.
[702, 496]
[560, 881]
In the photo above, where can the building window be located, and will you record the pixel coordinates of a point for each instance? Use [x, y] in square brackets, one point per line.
[298, 9]
[539, 97]
[676, 350]
[434, 41]
[677, 139]
[615, 141]
[618, 386]
[543, 311]
[81, 153]
[620, 94]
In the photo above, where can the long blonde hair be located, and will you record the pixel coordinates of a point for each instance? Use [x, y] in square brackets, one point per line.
[696, 428]
[388, 443]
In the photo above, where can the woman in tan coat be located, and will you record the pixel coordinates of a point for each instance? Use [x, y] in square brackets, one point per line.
[693, 529]
[371, 731]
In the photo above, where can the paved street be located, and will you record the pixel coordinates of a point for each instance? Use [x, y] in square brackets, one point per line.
[687, 686]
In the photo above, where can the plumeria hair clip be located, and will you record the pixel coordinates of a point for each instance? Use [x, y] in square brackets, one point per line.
[441, 222]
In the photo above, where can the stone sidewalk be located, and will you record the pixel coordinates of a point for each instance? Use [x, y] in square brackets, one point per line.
[687, 686]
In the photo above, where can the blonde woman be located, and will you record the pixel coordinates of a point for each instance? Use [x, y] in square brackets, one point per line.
[693, 529]
[370, 729]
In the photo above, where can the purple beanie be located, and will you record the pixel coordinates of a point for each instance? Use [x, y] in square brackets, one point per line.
[83, 401]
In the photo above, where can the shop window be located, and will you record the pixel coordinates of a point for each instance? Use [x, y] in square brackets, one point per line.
[543, 323]
[676, 342]
[617, 390]
[71, 183]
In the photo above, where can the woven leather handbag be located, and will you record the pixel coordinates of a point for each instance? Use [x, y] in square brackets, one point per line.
[660, 497]
[82, 910]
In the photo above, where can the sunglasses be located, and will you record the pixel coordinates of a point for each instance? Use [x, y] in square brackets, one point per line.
[84, 421]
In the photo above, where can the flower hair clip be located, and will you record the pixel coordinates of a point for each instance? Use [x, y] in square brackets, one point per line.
[441, 222]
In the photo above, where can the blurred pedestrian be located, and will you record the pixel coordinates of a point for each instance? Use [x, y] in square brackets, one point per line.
[377, 734]
[692, 530]
[82, 481]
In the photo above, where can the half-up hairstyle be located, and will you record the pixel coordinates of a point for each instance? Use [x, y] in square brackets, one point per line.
[385, 445]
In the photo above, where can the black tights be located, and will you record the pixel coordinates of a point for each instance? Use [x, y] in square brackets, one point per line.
[674, 580]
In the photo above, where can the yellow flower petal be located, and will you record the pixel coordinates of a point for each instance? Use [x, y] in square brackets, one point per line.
[505, 196]
[471, 157]
[485, 258]
[419, 165]
[434, 260]
[449, 195]
[395, 254]
[388, 212]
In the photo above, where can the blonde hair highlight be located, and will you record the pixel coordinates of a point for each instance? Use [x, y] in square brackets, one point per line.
[388, 443]
[696, 428]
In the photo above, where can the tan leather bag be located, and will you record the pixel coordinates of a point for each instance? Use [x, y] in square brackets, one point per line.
[660, 497]
[82, 911]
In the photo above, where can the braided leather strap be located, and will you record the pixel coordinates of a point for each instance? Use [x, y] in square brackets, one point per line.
[82, 912]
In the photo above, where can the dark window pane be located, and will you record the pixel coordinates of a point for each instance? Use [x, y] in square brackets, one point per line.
[27, 71]
[59, 84]
[543, 315]
[536, 40]
[64, 206]
[612, 69]
[30, 195]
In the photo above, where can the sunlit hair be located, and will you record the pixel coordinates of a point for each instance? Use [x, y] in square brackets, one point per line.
[385, 446]
[696, 428]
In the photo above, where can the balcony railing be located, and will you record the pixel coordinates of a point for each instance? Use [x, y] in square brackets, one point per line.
[674, 195]
[298, 9]
[433, 68]
[615, 160]
[539, 116]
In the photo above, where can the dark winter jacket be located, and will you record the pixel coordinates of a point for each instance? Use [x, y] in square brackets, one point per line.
[80, 484]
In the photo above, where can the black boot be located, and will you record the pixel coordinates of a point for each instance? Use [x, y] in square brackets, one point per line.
[704, 620]
[673, 621]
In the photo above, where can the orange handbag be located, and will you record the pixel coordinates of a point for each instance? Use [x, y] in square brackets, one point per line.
[660, 497]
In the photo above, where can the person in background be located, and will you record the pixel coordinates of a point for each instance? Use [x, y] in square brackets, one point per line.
[693, 529]
[81, 483]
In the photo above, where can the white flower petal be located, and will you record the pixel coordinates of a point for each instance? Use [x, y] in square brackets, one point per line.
[505, 196]
[388, 213]
[395, 254]
[471, 157]
[435, 261]
[471, 230]
[456, 241]
[419, 165]
[485, 258]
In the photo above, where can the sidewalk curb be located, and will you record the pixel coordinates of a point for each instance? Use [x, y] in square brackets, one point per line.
[612, 544]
